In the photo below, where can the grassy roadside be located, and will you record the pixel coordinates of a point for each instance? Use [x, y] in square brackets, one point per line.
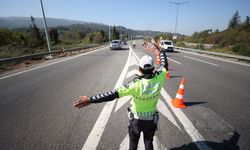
[238, 49]
[12, 65]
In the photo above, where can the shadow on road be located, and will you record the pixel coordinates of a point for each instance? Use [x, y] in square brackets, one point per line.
[175, 76]
[230, 144]
[193, 103]
[172, 52]
[120, 49]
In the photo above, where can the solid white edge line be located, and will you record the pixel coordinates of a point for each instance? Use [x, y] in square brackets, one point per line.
[96, 133]
[52, 63]
[174, 61]
[196, 137]
[201, 60]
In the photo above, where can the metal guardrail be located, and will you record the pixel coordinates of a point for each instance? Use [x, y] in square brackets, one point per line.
[214, 53]
[3, 60]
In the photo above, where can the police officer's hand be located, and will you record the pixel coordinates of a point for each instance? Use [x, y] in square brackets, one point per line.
[83, 101]
[157, 46]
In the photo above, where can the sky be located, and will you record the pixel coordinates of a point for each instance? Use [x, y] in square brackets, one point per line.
[157, 15]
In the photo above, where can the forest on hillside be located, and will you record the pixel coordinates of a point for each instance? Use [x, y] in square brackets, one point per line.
[235, 39]
[32, 39]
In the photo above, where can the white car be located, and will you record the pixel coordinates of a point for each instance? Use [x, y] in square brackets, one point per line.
[167, 45]
[116, 44]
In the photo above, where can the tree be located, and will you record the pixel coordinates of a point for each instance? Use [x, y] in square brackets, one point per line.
[115, 33]
[235, 21]
[97, 37]
[35, 38]
[104, 36]
[247, 21]
[5, 37]
[53, 35]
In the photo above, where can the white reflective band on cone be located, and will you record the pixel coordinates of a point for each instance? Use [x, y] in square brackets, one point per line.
[179, 96]
[181, 86]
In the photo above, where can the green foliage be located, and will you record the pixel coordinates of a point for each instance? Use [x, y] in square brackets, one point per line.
[5, 37]
[235, 21]
[34, 36]
[235, 39]
[247, 21]
[180, 43]
[200, 46]
[157, 38]
[201, 37]
[242, 49]
[115, 34]
[53, 34]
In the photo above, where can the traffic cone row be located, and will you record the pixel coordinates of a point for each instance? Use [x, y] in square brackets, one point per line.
[178, 101]
[157, 60]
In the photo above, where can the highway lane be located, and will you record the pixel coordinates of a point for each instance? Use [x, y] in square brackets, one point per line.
[217, 95]
[36, 107]
[224, 89]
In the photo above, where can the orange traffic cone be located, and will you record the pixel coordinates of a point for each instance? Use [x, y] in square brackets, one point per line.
[158, 61]
[178, 101]
[167, 75]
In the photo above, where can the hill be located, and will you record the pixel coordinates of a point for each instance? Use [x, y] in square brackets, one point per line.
[24, 22]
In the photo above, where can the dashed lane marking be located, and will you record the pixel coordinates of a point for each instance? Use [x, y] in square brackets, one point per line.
[175, 61]
[201, 61]
[216, 58]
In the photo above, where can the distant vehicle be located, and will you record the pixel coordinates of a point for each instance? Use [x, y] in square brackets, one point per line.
[116, 44]
[167, 45]
[124, 42]
[134, 44]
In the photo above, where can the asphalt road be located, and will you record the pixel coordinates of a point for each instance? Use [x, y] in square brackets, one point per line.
[36, 106]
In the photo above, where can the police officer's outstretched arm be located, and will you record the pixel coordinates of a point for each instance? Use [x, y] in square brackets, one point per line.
[106, 96]
[103, 97]
[163, 57]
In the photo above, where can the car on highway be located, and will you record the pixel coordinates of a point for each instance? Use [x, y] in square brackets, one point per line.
[115, 44]
[167, 45]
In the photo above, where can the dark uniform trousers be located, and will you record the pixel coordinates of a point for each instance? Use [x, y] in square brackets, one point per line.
[148, 127]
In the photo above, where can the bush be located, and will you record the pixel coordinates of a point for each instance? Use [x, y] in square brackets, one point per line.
[200, 46]
[181, 44]
[242, 49]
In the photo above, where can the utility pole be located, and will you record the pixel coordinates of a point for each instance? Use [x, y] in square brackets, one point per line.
[109, 33]
[46, 32]
[177, 12]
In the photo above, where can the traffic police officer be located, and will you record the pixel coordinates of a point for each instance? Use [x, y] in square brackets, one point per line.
[145, 91]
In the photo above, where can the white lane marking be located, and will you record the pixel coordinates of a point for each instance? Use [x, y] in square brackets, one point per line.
[175, 61]
[187, 124]
[133, 61]
[135, 55]
[35, 68]
[122, 101]
[95, 135]
[125, 143]
[201, 61]
[157, 145]
[132, 73]
[163, 109]
[221, 59]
